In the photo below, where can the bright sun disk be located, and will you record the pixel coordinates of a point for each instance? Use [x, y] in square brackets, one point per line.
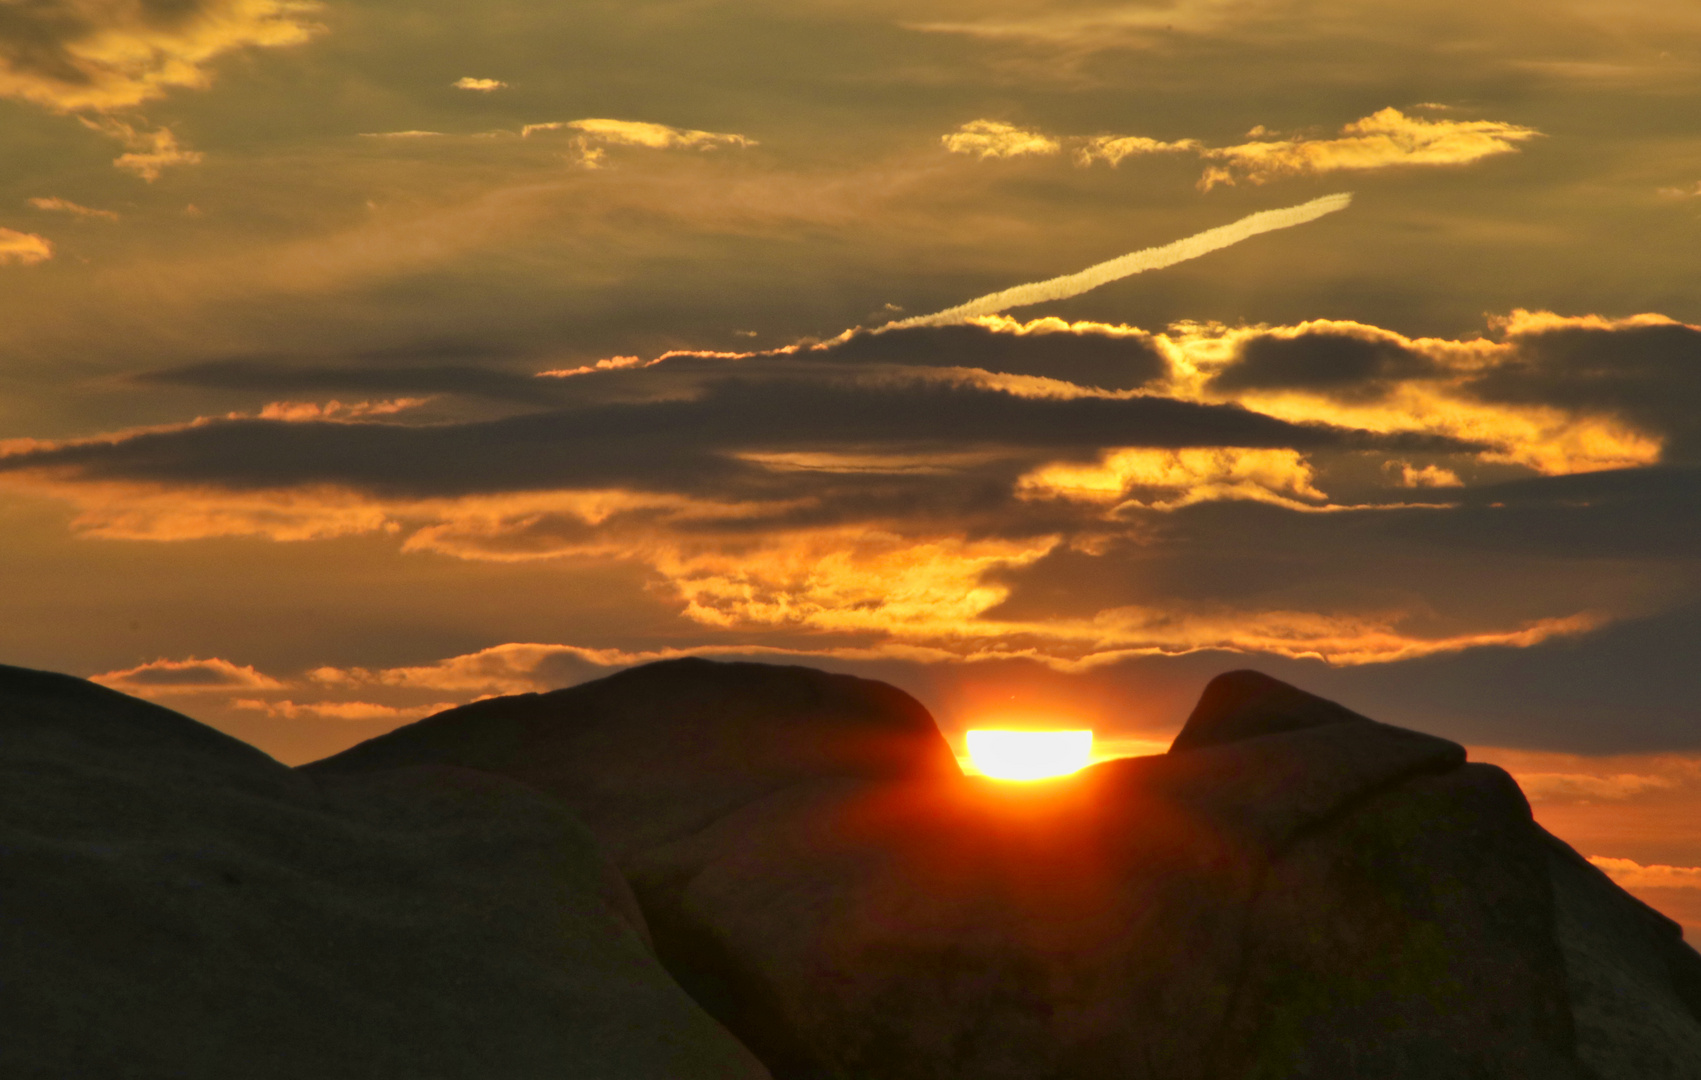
[1029, 755]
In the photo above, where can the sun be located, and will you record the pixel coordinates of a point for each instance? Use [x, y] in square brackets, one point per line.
[1029, 755]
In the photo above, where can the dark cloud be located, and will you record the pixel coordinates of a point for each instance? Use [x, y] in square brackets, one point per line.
[679, 445]
[1340, 364]
[1649, 374]
[1097, 359]
[274, 377]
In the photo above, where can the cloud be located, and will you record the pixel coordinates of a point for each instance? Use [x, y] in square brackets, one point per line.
[1136, 262]
[1092, 355]
[353, 711]
[57, 205]
[1576, 787]
[1113, 148]
[597, 134]
[1350, 361]
[1531, 411]
[187, 677]
[1383, 139]
[1645, 368]
[150, 152]
[23, 249]
[275, 376]
[1426, 476]
[1629, 874]
[483, 86]
[401, 134]
[1176, 478]
[1073, 493]
[1092, 27]
[95, 55]
[996, 139]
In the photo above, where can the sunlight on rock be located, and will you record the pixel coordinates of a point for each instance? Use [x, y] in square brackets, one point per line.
[1029, 755]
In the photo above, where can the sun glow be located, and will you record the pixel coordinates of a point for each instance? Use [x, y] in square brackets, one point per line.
[1029, 755]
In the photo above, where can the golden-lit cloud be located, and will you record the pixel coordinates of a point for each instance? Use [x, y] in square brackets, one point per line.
[483, 86]
[305, 411]
[880, 492]
[353, 711]
[56, 205]
[1427, 476]
[1113, 148]
[23, 249]
[1439, 400]
[150, 153]
[996, 139]
[1169, 479]
[100, 55]
[641, 133]
[1383, 139]
[187, 677]
[1629, 874]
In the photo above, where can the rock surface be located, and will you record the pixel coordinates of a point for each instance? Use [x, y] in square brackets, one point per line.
[1295, 890]
[174, 903]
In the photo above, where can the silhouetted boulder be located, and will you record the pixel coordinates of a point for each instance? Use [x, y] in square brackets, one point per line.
[1295, 890]
[663, 750]
[174, 903]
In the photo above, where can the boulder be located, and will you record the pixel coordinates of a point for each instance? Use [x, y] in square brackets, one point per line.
[661, 751]
[1294, 890]
[174, 903]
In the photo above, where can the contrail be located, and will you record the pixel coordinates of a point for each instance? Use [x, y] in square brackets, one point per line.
[1136, 262]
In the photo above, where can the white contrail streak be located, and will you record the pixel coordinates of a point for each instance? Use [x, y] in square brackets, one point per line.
[1136, 262]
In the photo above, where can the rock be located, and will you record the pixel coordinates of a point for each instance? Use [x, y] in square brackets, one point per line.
[1245, 704]
[174, 903]
[664, 750]
[1294, 890]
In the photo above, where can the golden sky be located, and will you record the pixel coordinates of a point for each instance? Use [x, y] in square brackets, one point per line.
[359, 359]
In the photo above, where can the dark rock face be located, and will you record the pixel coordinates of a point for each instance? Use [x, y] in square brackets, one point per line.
[1293, 891]
[662, 751]
[174, 903]
[1240, 705]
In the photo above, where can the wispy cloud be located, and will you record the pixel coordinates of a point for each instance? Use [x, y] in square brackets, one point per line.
[187, 677]
[641, 133]
[150, 152]
[56, 205]
[1630, 874]
[1384, 139]
[352, 711]
[1113, 148]
[483, 86]
[23, 249]
[1584, 787]
[1137, 262]
[996, 139]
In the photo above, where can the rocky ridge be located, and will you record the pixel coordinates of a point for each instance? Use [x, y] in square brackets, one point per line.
[1294, 890]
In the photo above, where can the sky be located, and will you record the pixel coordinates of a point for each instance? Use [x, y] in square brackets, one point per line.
[359, 359]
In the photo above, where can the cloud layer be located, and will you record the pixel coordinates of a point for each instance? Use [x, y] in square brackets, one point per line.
[95, 55]
[944, 491]
[1385, 139]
